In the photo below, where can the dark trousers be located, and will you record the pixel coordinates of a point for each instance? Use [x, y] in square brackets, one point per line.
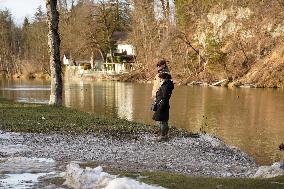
[164, 127]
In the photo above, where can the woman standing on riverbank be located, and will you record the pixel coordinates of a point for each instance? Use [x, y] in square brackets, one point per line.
[163, 96]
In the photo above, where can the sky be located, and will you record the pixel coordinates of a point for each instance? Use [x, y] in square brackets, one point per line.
[21, 8]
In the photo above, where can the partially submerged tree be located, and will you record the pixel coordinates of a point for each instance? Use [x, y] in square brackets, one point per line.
[54, 44]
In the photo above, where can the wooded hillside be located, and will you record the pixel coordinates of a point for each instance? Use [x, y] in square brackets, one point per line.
[205, 40]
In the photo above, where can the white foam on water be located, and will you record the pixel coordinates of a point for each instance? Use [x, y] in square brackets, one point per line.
[22, 172]
[21, 181]
[88, 178]
[18, 165]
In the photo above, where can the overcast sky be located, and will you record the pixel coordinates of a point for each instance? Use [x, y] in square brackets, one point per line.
[21, 8]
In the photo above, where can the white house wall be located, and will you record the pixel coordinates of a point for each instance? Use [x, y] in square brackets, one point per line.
[65, 61]
[118, 68]
[124, 47]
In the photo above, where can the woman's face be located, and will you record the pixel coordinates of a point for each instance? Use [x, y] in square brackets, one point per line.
[161, 67]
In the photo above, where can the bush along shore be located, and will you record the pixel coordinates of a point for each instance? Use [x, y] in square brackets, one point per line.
[142, 77]
[127, 148]
[134, 77]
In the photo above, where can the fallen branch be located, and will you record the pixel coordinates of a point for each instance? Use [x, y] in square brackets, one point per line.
[218, 82]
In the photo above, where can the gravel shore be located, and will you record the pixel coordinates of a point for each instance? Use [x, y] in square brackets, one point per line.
[201, 156]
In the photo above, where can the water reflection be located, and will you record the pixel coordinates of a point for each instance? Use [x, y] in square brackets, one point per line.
[124, 100]
[104, 98]
[251, 119]
[25, 91]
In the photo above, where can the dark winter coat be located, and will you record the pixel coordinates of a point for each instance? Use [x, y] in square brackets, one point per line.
[163, 96]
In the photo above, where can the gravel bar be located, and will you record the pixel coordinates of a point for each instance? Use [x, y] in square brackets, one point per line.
[199, 156]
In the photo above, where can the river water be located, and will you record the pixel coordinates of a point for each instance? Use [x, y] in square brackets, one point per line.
[251, 119]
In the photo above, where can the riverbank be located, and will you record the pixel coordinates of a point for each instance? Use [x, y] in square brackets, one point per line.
[206, 80]
[64, 134]
[141, 76]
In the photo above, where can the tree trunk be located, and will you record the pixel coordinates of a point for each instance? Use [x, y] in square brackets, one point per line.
[54, 44]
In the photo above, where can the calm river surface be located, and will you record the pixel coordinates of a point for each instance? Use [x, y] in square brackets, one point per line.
[251, 119]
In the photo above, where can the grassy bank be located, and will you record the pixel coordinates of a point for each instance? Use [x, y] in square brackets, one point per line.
[38, 118]
[20, 117]
[178, 181]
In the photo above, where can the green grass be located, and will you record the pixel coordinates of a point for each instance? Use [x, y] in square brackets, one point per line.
[20, 117]
[178, 181]
[37, 118]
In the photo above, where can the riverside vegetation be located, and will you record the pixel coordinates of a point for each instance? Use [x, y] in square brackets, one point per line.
[43, 120]
[204, 40]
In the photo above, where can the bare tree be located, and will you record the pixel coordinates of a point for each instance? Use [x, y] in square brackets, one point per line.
[54, 44]
[9, 44]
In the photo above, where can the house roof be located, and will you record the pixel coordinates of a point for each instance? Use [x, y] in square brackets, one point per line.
[67, 54]
[119, 36]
